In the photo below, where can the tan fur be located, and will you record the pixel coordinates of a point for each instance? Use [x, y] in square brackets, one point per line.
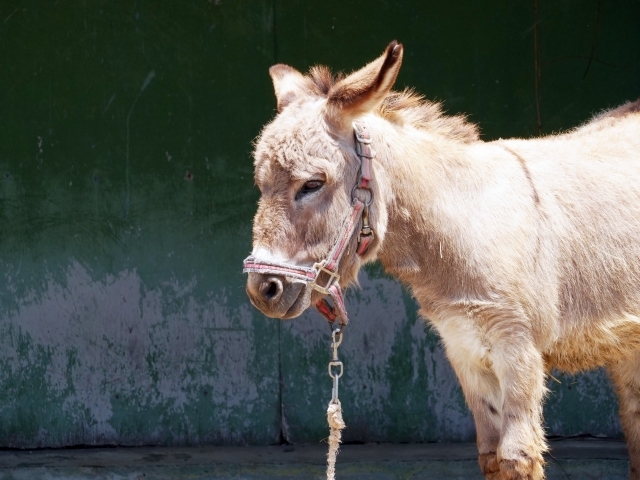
[523, 254]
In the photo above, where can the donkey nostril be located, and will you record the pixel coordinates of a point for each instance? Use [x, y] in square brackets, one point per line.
[271, 289]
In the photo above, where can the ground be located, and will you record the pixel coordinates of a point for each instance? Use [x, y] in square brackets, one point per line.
[583, 459]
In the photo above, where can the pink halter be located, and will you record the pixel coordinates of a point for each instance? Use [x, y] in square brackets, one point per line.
[310, 275]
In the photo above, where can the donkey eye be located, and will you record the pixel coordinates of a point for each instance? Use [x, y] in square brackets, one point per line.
[309, 187]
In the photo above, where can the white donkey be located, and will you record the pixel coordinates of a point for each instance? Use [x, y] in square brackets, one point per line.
[523, 254]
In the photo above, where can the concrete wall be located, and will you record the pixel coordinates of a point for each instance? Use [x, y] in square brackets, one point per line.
[126, 199]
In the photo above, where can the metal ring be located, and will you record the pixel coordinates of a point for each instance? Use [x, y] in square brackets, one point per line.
[367, 204]
[336, 364]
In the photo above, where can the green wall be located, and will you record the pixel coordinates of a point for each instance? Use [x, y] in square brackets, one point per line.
[126, 199]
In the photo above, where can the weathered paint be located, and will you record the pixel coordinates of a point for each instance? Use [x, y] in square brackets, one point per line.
[126, 200]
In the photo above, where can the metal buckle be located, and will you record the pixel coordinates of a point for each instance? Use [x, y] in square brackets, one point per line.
[357, 134]
[333, 276]
[364, 189]
[365, 232]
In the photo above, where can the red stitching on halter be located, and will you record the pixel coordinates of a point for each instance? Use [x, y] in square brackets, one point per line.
[310, 275]
[335, 256]
[250, 264]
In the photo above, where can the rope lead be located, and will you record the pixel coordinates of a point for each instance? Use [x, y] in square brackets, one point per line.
[334, 417]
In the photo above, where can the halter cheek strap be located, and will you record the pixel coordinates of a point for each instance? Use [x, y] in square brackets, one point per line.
[329, 266]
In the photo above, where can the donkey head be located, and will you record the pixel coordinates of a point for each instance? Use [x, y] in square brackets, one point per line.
[306, 168]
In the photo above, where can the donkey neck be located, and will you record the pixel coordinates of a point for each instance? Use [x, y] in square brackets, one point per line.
[418, 168]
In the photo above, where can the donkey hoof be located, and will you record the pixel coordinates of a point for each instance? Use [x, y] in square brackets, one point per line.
[490, 466]
[523, 468]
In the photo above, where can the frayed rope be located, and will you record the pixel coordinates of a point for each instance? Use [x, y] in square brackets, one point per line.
[336, 423]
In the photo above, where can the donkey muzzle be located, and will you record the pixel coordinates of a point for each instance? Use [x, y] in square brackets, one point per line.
[276, 296]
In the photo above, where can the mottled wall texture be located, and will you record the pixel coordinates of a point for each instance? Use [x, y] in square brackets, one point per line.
[126, 198]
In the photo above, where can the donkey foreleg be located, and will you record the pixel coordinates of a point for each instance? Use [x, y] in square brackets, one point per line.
[520, 368]
[626, 377]
[482, 393]
[503, 379]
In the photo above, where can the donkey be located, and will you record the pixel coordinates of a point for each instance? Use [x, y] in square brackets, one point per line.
[524, 255]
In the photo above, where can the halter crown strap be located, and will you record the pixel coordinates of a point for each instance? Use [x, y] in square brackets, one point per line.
[329, 266]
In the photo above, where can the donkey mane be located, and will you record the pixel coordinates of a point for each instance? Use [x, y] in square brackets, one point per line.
[405, 107]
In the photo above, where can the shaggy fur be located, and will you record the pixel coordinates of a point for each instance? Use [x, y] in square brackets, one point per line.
[524, 254]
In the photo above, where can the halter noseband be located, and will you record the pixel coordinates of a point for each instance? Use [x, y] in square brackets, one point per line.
[311, 275]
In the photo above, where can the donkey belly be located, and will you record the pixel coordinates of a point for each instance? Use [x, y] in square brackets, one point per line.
[594, 344]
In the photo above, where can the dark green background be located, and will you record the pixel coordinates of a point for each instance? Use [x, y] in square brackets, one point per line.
[126, 199]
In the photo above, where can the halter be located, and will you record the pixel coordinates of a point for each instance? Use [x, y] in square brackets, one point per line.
[311, 275]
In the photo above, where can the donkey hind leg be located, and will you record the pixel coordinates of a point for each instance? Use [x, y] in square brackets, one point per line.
[520, 368]
[626, 377]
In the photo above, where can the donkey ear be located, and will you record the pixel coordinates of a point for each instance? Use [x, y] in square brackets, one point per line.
[362, 91]
[288, 83]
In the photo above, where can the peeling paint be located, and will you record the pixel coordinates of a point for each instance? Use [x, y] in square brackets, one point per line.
[131, 372]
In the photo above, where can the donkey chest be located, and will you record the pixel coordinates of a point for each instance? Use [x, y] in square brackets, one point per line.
[464, 340]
